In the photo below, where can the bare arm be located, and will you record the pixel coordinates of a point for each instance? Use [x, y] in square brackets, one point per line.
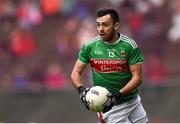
[76, 73]
[135, 81]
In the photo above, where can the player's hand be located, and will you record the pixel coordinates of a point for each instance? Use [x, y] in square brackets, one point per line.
[82, 93]
[114, 99]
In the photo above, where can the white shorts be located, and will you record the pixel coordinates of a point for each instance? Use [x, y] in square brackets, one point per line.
[128, 112]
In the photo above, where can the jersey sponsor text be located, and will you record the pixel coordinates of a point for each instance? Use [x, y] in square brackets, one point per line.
[109, 65]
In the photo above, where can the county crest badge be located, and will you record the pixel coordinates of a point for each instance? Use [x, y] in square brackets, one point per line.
[122, 53]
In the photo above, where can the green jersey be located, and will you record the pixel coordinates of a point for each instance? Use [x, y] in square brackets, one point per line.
[110, 62]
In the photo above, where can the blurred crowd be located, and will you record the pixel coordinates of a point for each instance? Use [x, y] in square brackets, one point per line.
[40, 39]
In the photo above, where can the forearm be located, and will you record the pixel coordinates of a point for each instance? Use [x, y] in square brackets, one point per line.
[76, 79]
[135, 80]
[76, 74]
[131, 85]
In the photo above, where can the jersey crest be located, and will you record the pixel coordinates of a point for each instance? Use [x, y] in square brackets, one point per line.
[122, 53]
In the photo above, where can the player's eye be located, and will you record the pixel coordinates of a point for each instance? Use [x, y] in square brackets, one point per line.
[105, 24]
[97, 24]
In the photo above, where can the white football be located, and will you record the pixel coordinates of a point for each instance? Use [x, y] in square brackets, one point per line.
[96, 98]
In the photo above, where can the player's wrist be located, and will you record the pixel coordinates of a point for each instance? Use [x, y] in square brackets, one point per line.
[80, 89]
[119, 94]
[117, 98]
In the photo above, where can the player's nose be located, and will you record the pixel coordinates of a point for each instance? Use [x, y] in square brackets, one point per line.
[101, 28]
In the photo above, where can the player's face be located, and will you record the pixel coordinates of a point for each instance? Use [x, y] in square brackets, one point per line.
[106, 28]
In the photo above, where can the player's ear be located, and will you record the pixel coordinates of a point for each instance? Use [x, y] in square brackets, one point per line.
[116, 26]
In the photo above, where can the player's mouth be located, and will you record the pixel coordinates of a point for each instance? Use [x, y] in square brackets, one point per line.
[102, 35]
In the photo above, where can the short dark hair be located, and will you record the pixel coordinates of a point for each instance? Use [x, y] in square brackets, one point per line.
[105, 11]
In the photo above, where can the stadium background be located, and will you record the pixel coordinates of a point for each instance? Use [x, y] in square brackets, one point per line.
[39, 43]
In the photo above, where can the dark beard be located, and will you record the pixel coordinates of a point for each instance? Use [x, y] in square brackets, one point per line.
[111, 35]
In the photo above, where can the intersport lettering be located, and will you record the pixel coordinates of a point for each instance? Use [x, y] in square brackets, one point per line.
[109, 65]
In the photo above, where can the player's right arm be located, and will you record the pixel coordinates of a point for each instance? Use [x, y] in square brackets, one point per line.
[76, 73]
[77, 82]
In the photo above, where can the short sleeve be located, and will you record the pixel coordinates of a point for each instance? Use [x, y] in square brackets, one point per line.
[135, 56]
[83, 54]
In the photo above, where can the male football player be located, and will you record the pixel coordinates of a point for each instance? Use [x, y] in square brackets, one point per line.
[116, 62]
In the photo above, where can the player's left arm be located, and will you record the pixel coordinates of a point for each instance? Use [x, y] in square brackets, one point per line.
[136, 70]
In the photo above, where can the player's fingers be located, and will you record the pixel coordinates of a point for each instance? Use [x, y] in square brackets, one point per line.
[108, 107]
[110, 95]
[87, 105]
[87, 89]
[83, 98]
